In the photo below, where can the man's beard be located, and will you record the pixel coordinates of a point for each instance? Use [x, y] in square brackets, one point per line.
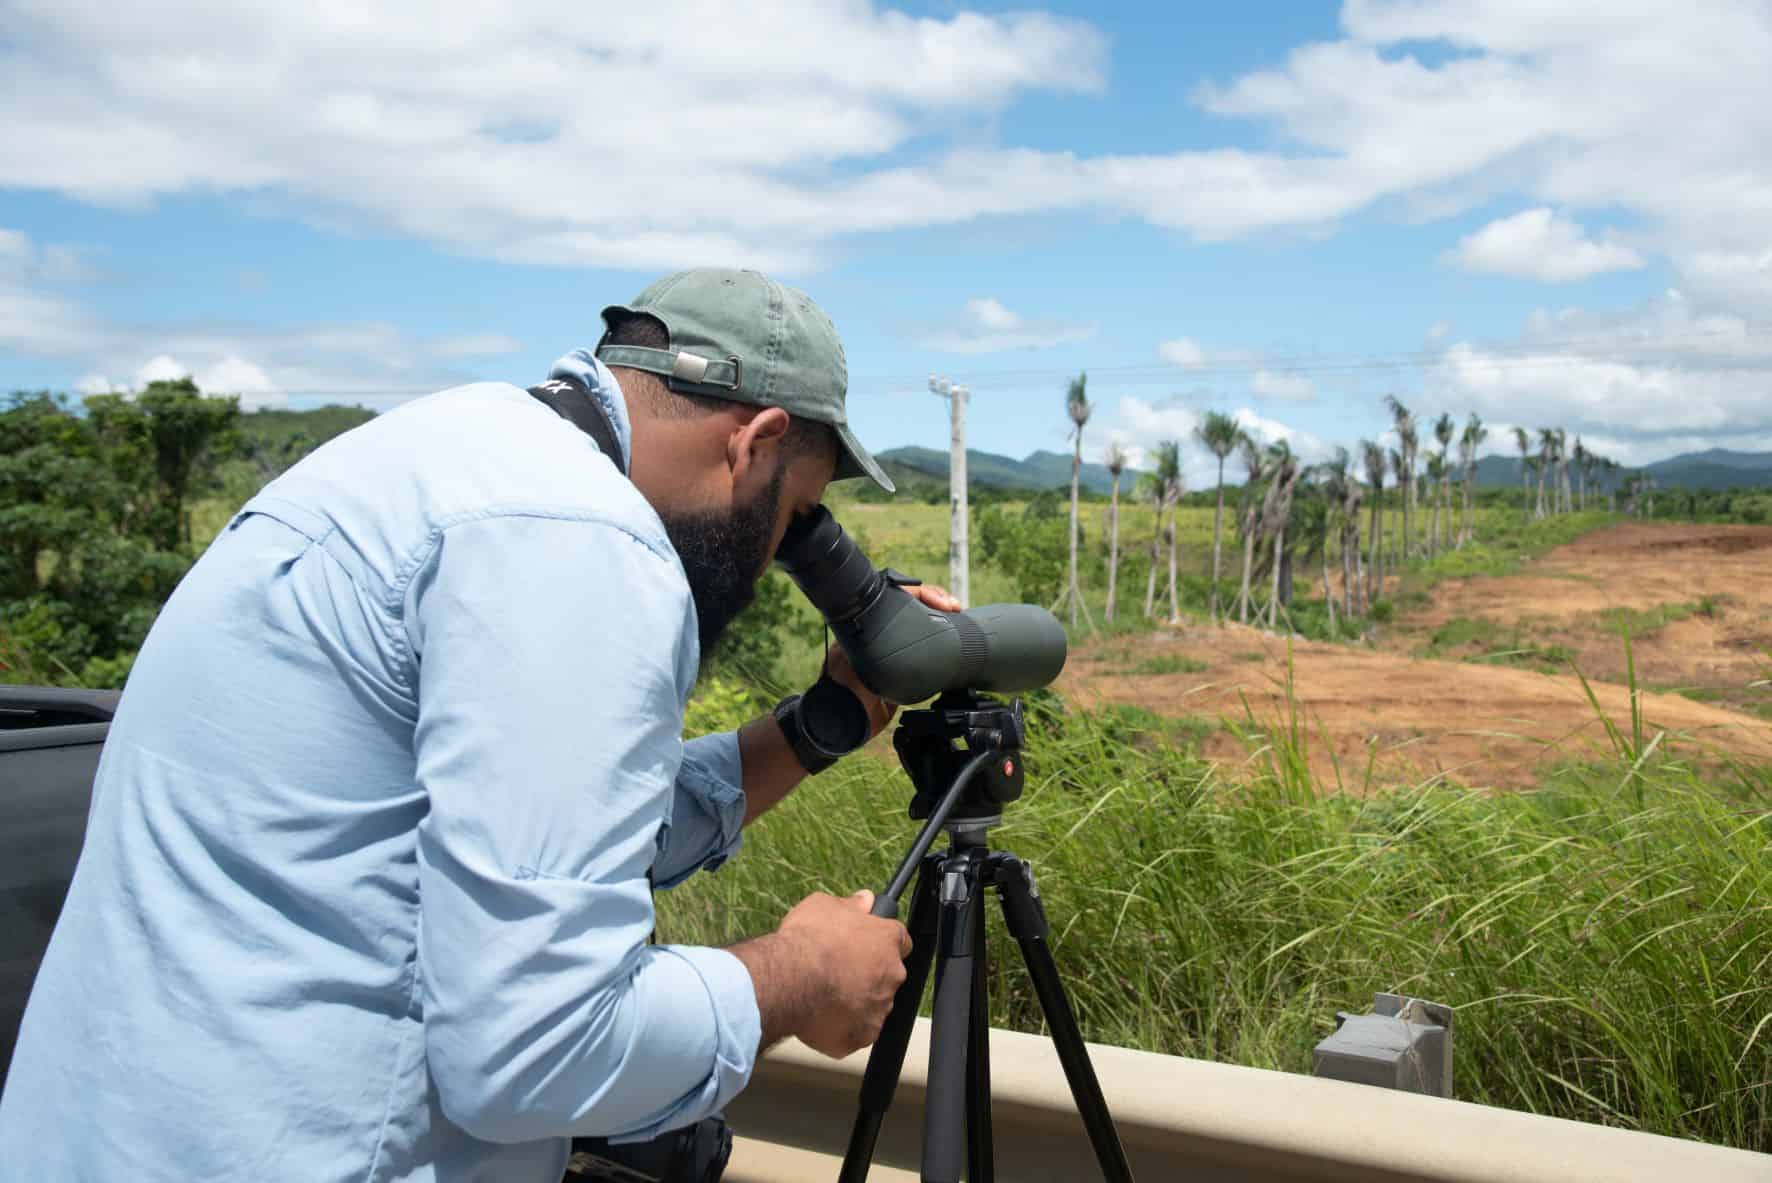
[721, 555]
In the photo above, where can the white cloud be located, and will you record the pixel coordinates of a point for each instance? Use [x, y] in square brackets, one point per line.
[1655, 380]
[1184, 352]
[1189, 354]
[532, 131]
[985, 325]
[495, 130]
[1291, 387]
[1141, 424]
[1307, 447]
[159, 368]
[1147, 422]
[1540, 244]
[362, 361]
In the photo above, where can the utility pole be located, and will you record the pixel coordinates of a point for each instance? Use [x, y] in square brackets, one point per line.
[959, 558]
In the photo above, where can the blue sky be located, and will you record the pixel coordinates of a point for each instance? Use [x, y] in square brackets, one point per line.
[1277, 210]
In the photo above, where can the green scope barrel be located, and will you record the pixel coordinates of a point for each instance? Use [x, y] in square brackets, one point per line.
[903, 650]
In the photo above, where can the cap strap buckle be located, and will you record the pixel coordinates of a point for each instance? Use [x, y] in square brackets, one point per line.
[695, 369]
[676, 364]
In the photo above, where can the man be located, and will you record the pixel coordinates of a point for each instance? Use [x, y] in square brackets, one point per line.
[365, 893]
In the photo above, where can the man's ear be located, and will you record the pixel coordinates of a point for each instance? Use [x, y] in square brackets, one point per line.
[757, 443]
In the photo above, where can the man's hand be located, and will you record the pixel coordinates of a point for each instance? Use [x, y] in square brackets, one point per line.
[880, 711]
[828, 974]
[771, 769]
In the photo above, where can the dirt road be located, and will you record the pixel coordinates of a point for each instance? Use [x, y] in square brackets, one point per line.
[1493, 722]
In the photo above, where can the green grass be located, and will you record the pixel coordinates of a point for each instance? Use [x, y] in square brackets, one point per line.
[1640, 622]
[1606, 940]
[1489, 643]
[1168, 664]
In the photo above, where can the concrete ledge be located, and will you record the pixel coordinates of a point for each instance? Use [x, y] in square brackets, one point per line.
[1201, 1120]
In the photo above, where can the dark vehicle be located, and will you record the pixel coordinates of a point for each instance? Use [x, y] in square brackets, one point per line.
[49, 746]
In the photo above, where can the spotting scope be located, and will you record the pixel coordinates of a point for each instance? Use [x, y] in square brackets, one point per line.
[903, 650]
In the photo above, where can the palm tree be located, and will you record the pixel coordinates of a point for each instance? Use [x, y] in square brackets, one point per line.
[1436, 477]
[1076, 404]
[1168, 478]
[1399, 470]
[1372, 456]
[1116, 464]
[1444, 428]
[1255, 465]
[1351, 493]
[1547, 448]
[1524, 442]
[1404, 422]
[1581, 475]
[1151, 486]
[1174, 486]
[1276, 509]
[1221, 434]
[1332, 475]
[1468, 442]
[1563, 471]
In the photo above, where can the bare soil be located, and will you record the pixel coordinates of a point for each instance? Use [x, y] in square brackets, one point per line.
[1497, 721]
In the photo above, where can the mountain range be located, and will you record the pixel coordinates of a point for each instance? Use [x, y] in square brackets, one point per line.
[1714, 468]
[1035, 472]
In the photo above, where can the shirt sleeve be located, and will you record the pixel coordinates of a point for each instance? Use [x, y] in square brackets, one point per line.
[707, 813]
[550, 655]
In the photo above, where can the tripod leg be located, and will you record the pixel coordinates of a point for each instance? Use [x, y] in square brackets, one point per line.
[945, 1103]
[886, 1061]
[1027, 924]
[979, 1165]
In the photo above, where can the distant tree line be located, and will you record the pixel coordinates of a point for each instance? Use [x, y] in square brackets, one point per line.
[96, 513]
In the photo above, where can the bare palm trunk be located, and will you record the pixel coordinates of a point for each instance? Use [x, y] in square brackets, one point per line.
[1174, 590]
[1217, 537]
[1375, 569]
[1464, 535]
[1113, 546]
[1328, 592]
[1248, 571]
[1273, 600]
[1076, 471]
[1150, 583]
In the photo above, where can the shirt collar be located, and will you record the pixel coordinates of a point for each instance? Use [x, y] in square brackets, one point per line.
[583, 367]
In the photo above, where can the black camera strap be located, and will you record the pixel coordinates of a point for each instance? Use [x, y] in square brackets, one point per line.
[573, 403]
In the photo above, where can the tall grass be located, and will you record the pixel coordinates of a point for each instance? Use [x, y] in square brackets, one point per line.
[1606, 939]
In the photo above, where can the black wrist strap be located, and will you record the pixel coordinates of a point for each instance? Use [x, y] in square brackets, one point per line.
[787, 716]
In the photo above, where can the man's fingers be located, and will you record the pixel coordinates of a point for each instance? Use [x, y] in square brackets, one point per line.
[904, 941]
[936, 597]
[863, 900]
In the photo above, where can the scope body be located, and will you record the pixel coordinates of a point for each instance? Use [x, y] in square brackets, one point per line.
[903, 650]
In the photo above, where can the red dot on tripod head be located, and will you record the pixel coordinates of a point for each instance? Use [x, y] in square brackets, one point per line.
[1008, 768]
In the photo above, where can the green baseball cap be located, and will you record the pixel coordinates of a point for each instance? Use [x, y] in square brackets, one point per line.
[739, 335]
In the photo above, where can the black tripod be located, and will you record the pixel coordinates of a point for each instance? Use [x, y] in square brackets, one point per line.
[964, 790]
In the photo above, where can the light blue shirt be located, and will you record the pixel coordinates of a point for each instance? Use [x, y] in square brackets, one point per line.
[364, 891]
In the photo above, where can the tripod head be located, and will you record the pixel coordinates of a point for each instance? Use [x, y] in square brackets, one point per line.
[936, 743]
[963, 755]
